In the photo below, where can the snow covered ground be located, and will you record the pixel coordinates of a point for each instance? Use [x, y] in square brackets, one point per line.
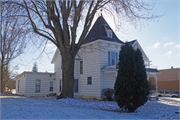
[50, 108]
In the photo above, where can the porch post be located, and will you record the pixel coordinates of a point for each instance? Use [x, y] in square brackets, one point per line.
[147, 77]
[156, 84]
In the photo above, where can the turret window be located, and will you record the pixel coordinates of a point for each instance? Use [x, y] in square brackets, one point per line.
[112, 58]
[109, 33]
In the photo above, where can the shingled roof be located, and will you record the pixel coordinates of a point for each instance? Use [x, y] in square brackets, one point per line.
[98, 32]
[151, 70]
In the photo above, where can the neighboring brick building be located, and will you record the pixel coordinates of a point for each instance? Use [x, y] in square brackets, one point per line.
[168, 79]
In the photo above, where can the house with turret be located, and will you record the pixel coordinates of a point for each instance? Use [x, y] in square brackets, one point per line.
[95, 65]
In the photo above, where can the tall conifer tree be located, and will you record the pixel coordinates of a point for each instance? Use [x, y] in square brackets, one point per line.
[141, 78]
[131, 87]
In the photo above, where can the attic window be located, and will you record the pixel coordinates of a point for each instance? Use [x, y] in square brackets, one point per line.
[108, 30]
[109, 33]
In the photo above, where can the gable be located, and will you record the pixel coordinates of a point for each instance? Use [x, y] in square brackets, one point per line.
[58, 53]
[135, 44]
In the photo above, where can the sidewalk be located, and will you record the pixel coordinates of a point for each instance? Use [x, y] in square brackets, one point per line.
[9, 95]
[170, 99]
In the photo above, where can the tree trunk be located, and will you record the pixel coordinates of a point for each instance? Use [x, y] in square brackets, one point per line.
[1, 78]
[67, 76]
[4, 87]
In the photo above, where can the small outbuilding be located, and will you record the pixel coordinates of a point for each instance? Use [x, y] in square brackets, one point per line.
[35, 83]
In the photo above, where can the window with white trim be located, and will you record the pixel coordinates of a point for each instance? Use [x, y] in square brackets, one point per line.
[89, 80]
[116, 58]
[112, 58]
[51, 86]
[38, 85]
[109, 33]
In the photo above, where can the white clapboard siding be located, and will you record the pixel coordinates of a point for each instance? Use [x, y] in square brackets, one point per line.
[58, 71]
[107, 79]
[91, 68]
[77, 69]
[44, 86]
[57, 67]
[22, 82]
[0, 68]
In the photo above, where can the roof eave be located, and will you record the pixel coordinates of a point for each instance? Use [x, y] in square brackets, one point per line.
[55, 56]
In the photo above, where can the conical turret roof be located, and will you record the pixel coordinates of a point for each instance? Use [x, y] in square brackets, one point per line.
[98, 31]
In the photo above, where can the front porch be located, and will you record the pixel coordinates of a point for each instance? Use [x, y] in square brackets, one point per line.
[110, 74]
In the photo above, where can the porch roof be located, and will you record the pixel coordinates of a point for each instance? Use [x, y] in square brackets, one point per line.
[110, 68]
[151, 70]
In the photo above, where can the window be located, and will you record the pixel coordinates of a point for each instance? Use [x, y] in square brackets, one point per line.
[109, 33]
[81, 67]
[18, 84]
[116, 58]
[89, 80]
[60, 86]
[51, 86]
[112, 58]
[38, 84]
[75, 85]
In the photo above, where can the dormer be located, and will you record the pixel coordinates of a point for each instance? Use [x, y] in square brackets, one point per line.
[108, 31]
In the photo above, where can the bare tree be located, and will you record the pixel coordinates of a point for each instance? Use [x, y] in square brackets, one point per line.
[8, 75]
[59, 20]
[12, 38]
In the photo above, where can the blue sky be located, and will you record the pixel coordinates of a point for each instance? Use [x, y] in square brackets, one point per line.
[159, 38]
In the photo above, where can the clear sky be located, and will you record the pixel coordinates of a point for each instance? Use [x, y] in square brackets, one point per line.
[160, 40]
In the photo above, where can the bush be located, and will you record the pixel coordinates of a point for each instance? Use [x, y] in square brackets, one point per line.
[108, 93]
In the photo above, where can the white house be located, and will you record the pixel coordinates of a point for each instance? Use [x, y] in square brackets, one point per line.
[0, 70]
[95, 65]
